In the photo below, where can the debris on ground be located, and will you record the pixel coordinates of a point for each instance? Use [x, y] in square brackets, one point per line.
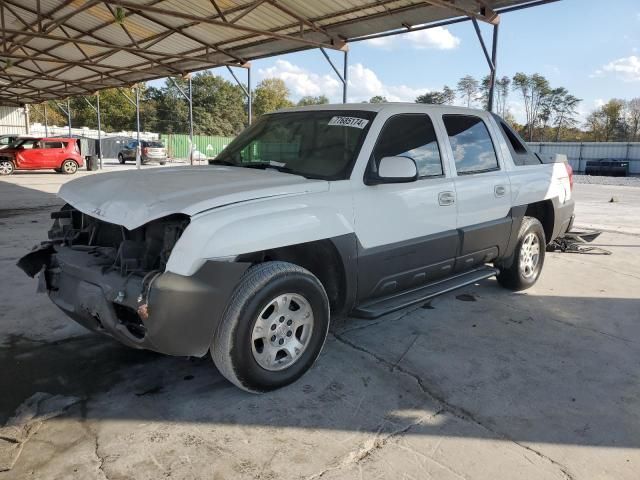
[26, 421]
[575, 242]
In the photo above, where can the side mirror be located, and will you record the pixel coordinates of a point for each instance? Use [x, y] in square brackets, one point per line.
[395, 170]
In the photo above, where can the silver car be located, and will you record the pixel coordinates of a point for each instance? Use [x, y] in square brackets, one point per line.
[151, 151]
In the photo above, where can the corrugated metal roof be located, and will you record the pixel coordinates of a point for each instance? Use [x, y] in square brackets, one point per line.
[57, 48]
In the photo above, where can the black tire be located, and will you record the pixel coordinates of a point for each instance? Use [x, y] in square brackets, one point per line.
[232, 348]
[6, 167]
[69, 167]
[163, 163]
[516, 276]
[121, 159]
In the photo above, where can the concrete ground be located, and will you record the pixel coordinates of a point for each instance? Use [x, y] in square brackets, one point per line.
[479, 384]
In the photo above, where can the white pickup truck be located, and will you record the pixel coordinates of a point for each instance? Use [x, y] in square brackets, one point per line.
[358, 209]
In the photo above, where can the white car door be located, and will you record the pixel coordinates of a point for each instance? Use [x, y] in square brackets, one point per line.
[483, 191]
[406, 231]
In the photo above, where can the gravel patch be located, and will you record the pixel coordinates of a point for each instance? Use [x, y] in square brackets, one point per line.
[597, 180]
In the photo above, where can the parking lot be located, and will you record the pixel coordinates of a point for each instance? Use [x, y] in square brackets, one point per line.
[478, 384]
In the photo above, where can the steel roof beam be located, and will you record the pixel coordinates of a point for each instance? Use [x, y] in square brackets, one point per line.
[219, 23]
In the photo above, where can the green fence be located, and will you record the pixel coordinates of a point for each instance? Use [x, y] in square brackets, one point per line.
[178, 145]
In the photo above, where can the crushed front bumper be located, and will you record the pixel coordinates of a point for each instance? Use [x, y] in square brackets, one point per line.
[164, 312]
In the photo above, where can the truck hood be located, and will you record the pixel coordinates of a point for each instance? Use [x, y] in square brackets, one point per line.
[134, 197]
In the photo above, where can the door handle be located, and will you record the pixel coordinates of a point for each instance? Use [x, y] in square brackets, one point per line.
[446, 198]
[499, 190]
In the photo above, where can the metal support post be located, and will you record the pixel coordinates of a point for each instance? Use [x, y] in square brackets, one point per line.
[491, 60]
[67, 112]
[190, 120]
[246, 90]
[189, 99]
[250, 96]
[27, 120]
[494, 61]
[69, 115]
[136, 104]
[138, 156]
[343, 77]
[97, 110]
[99, 129]
[46, 124]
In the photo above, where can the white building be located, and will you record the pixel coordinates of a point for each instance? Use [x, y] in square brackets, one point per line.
[12, 120]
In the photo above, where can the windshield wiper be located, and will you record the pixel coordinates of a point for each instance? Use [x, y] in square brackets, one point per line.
[260, 166]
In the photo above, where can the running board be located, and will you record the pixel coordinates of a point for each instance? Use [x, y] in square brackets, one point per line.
[382, 306]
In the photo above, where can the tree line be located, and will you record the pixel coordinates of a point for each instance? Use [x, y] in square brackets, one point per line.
[550, 113]
[220, 107]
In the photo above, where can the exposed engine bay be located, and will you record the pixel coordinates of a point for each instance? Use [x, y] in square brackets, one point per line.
[101, 273]
[138, 251]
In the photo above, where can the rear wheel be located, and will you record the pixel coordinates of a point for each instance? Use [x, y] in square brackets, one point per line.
[69, 167]
[121, 158]
[273, 328]
[6, 167]
[528, 257]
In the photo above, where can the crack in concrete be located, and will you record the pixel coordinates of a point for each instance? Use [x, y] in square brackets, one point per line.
[378, 441]
[454, 410]
[101, 460]
[385, 318]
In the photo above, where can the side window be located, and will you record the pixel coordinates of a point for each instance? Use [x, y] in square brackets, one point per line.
[413, 136]
[471, 143]
[52, 145]
[519, 153]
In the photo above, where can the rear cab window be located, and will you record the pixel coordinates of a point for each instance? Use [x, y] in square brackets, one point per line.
[517, 147]
[410, 135]
[471, 144]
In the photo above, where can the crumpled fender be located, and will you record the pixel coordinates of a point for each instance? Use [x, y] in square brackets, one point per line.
[260, 225]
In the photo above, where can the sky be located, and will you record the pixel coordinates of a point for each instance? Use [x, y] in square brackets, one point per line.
[590, 47]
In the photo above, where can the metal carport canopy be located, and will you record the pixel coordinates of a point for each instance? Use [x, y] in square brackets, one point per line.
[53, 49]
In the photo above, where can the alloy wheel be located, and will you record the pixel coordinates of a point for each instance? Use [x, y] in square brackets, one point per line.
[282, 331]
[529, 255]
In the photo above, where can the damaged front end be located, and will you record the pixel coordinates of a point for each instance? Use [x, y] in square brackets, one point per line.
[113, 280]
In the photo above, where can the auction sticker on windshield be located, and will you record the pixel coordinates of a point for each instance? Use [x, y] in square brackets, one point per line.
[349, 122]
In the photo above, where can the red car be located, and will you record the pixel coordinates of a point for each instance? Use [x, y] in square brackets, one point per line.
[60, 154]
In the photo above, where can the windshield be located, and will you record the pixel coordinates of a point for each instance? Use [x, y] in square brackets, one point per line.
[24, 143]
[315, 144]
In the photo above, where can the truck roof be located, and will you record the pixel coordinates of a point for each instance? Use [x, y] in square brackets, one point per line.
[378, 107]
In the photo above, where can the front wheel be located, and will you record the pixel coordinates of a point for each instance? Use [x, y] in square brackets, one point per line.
[69, 167]
[121, 159]
[6, 167]
[273, 328]
[528, 257]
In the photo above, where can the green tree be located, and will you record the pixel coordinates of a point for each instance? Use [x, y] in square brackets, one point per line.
[444, 97]
[468, 88]
[500, 94]
[218, 106]
[378, 99]
[271, 94]
[311, 100]
[533, 90]
[633, 119]
[54, 114]
[565, 112]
